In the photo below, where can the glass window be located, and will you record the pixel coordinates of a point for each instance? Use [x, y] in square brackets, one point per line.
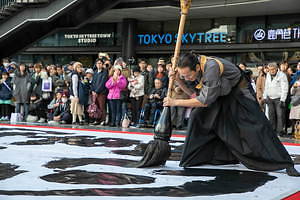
[256, 58]
[149, 27]
[63, 59]
[247, 26]
[283, 21]
[118, 34]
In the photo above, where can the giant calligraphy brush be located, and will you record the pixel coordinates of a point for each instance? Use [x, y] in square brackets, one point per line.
[159, 150]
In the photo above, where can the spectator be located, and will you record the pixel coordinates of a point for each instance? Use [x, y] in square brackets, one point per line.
[168, 66]
[21, 89]
[6, 66]
[36, 85]
[295, 109]
[35, 111]
[147, 87]
[89, 73]
[290, 72]
[260, 85]
[61, 112]
[125, 92]
[60, 73]
[54, 77]
[12, 67]
[99, 90]
[125, 69]
[296, 75]
[161, 74]
[77, 109]
[116, 83]
[243, 66]
[151, 78]
[5, 97]
[275, 94]
[54, 104]
[155, 102]
[137, 92]
[284, 67]
[178, 113]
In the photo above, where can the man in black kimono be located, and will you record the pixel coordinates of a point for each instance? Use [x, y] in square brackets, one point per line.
[227, 125]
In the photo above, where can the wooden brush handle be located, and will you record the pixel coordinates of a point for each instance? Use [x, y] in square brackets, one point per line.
[185, 6]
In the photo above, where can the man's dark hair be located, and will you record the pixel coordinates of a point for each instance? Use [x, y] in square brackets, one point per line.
[100, 59]
[189, 60]
[142, 60]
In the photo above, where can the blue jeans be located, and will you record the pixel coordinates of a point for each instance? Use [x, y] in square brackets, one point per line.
[26, 109]
[115, 107]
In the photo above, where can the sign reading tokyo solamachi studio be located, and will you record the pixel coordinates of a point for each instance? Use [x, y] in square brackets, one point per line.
[277, 34]
[187, 38]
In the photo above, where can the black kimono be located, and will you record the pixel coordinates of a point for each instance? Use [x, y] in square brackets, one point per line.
[232, 128]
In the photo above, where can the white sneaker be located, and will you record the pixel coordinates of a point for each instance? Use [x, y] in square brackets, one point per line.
[42, 120]
[6, 118]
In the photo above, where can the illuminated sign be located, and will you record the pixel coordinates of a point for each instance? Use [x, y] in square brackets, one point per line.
[187, 38]
[277, 34]
[88, 38]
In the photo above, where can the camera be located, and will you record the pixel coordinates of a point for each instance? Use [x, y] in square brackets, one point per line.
[131, 61]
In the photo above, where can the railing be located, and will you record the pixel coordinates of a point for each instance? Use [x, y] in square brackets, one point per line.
[5, 3]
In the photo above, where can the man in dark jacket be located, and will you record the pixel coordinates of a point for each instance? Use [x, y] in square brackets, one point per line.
[227, 125]
[99, 90]
[155, 101]
[62, 113]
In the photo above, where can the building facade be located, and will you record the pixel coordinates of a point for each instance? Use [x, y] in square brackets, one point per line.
[252, 40]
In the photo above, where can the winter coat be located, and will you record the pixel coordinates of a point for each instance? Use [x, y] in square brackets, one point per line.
[136, 90]
[5, 92]
[162, 92]
[62, 109]
[36, 84]
[22, 86]
[35, 105]
[277, 87]
[115, 88]
[98, 82]
[260, 86]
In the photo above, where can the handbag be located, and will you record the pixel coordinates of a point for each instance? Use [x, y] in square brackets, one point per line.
[16, 117]
[295, 100]
[125, 122]
[93, 109]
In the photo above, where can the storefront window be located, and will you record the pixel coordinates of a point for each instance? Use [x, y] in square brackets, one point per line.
[247, 27]
[264, 29]
[256, 58]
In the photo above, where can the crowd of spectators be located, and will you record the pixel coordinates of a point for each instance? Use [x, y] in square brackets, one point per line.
[108, 92]
[102, 94]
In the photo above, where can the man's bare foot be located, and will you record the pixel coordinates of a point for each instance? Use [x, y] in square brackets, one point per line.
[291, 171]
